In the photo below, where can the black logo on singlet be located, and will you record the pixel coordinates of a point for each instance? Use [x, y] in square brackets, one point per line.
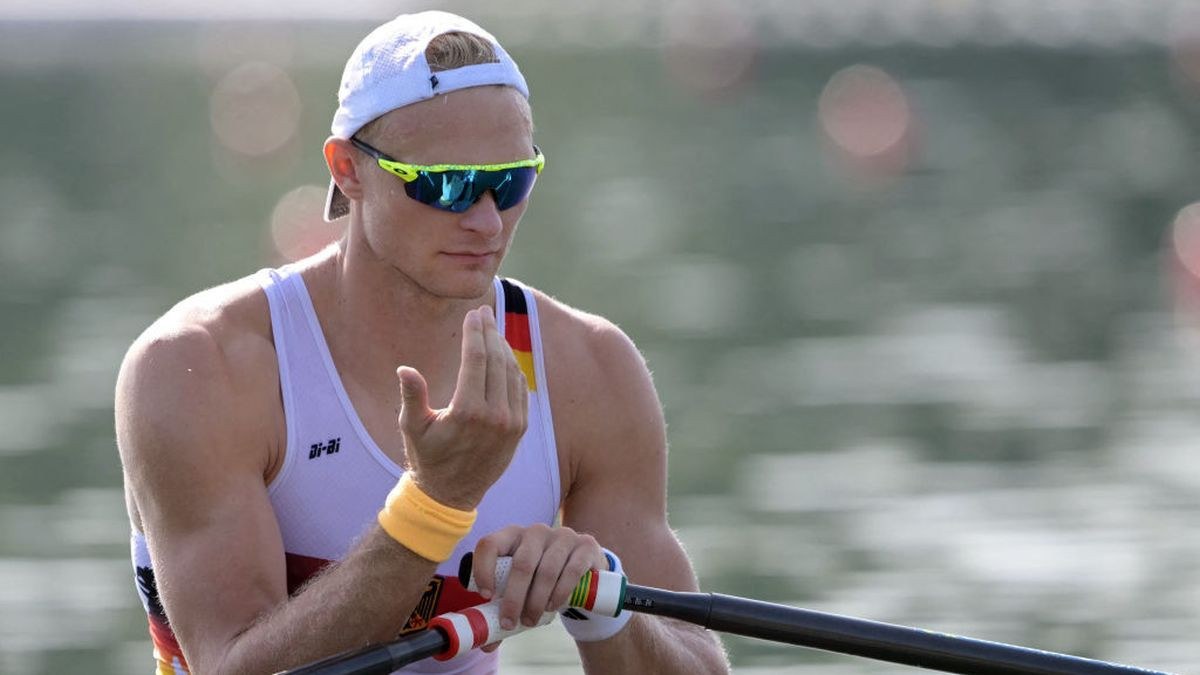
[331, 447]
[426, 608]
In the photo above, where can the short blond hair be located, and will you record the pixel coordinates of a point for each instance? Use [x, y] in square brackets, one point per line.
[456, 49]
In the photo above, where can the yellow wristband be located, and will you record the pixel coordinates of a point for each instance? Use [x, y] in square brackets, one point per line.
[422, 525]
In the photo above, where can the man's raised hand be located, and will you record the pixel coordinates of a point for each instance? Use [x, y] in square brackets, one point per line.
[457, 452]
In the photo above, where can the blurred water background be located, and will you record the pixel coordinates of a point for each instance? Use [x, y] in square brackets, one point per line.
[918, 280]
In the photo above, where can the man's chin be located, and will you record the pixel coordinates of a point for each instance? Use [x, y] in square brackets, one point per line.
[464, 285]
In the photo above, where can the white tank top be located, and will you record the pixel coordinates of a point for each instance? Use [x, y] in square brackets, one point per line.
[334, 478]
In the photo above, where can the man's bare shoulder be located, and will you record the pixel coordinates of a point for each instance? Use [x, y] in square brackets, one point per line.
[229, 314]
[585, 346]
[201, 374]
[226, 328]
[600, 389]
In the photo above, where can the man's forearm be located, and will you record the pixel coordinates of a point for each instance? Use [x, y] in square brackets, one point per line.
[651, 644]
[365, 598]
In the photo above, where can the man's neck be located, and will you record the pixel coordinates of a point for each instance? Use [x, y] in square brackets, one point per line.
[376, 318]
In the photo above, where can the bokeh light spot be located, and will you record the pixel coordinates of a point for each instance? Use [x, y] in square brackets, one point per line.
[1185, 237]
[298, 227]
[864, 111]
[255, 109]
[1181, 266]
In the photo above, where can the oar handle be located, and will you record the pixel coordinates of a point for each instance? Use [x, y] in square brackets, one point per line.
[598, 591]
[450, 635]
[476, 627]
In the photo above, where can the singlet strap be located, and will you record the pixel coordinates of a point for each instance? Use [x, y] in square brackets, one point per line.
[522, 329]
[516, 330]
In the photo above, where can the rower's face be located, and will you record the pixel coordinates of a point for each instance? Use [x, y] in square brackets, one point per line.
[448, 254]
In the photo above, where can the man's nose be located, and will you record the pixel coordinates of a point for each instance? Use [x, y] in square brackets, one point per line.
[483, 216]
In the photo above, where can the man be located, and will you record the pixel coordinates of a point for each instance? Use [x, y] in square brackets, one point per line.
[280, 514]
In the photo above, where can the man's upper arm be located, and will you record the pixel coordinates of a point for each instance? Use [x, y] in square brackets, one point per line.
[616, 442]
[193, 460]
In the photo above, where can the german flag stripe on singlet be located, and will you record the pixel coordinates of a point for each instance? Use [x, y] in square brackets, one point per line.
[516, 329]
[168, 655]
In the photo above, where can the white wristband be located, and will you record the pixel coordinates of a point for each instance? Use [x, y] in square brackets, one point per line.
[585, 626]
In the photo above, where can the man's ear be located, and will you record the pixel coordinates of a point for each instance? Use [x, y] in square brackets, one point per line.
[339, 156]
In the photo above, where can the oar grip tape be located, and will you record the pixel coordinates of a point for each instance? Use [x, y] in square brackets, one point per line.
[475, 627]
[599, 592]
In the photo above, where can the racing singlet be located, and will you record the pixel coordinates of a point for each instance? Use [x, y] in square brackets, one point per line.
[334, 478]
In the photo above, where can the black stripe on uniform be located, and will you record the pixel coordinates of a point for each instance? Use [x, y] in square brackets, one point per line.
[514, 298]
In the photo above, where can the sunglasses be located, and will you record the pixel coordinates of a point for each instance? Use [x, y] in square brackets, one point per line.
[456, 187]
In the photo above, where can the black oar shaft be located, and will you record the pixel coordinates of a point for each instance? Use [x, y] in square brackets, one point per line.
[379, 660]
[860, 637]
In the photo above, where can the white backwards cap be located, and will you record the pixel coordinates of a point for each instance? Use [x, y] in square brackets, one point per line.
[388, 70]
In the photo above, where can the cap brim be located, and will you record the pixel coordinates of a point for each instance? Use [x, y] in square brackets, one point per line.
[337, 204]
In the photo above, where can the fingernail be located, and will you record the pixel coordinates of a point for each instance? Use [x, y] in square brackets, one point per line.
[486, 593]
[506, 623]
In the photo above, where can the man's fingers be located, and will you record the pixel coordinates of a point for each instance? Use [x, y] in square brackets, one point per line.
[546, 581]
[498, 357]
[545, 567]
[583, 557]
[472, 369]
[487, 549]
[525, 561]
[415, 397]
[523, 398]
[518, 392]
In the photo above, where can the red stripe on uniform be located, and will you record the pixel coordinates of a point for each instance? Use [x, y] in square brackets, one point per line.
[301, 568]
[165, 643]
[516, 331]
[455, 598]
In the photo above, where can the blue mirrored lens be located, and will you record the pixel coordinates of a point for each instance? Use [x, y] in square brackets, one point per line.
[457, 190]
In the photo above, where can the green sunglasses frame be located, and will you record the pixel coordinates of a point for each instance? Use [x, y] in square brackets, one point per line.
[410, 172]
